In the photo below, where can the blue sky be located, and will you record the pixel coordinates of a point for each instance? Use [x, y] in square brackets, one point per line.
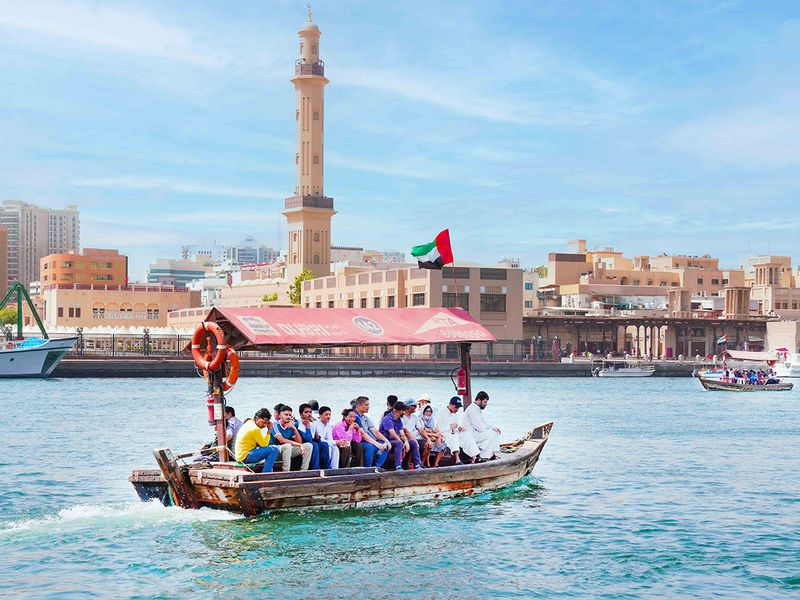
[650, 126]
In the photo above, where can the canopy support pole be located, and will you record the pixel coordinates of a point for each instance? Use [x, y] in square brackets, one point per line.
[466, 364]
[215, 383]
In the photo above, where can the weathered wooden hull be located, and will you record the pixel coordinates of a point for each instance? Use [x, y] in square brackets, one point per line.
[239, 490]
[724, 386]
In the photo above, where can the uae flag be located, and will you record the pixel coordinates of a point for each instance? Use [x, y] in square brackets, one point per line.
[436, 254]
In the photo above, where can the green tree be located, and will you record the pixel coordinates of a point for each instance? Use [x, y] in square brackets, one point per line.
[541, 270]
[8, 315]
[269, 297]
[296, 288]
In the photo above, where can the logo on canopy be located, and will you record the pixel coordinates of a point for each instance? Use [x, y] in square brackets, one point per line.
[368, 325]
[441, 320]
[258, 325]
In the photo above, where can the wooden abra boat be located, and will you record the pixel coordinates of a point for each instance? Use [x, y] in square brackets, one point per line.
[238, 488]
[726, 386]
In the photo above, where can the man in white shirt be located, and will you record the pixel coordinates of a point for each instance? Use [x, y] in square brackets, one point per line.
[477, 431]
[448, 420]
[322, 429]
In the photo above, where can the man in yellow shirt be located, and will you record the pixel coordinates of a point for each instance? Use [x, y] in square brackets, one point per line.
[252, 441]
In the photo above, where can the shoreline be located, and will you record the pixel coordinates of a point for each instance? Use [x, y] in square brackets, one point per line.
[169, 368]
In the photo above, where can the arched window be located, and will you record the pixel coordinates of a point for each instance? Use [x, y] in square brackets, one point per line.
[313, 48]
[301, 47]
[297, 159]
[297, 115]
[316, 236]
[316, 115]
[316, 259]
[316, 159]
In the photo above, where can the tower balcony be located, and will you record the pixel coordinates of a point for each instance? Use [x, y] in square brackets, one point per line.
[302, 68]
[309, 202]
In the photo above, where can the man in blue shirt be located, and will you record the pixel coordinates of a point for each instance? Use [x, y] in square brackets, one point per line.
[391, 428]
[321, 456]
[376, 446]
[286, 436]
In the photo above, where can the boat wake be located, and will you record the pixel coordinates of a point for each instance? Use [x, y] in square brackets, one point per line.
[109, 516]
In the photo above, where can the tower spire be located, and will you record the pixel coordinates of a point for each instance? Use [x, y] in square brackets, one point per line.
[309, 211]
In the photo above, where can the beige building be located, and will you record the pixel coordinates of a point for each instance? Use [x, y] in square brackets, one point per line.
[91, 265]
[492, 295]
[35, 232]
[783, 334]
[94, 305]
[309, 211]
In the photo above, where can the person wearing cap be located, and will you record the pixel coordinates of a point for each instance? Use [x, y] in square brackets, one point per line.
[392, 429]
[414, 428]
[486, 439]
[449, 421]
[423, 401]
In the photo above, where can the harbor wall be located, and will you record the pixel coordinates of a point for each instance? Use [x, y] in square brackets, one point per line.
[118, 367]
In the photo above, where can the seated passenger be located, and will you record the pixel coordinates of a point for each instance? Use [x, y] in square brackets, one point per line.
[347, 430]
[253, 441]
[413, 429]
[375, 446]
[449, 422]
[392, 429]
[323, 431]
[290, 444]
[321, 455]
[431, 429]
[479, 438]
[391, 400]
[233, 426]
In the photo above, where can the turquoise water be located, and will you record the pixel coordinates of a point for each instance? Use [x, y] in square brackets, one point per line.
[646, 487]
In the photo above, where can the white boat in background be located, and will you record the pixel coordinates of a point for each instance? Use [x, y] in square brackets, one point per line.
[31, 357]
[623, 368]
[788, 365]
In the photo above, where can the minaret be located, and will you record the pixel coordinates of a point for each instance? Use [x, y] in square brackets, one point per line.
[309, 211]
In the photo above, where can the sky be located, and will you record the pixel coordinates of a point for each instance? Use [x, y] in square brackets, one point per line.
[644, 125]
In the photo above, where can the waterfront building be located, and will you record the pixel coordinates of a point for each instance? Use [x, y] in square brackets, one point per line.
[784, 334]
[492, 295]
[393, 256]
[91, 265]
[112, 305]
[210, 289]
[177, 272]
[783, 264]
[774, 289]
[351, 255]
[309, 212]
[530, 285]
[3, 260]
[34, 232]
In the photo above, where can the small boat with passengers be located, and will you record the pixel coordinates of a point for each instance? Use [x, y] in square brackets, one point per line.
[33, 356]
[241, 488]
[620, 367]
[735, 376]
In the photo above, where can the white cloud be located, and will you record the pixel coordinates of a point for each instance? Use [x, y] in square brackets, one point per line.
[111, 29]
[182, 187]
[749, 138]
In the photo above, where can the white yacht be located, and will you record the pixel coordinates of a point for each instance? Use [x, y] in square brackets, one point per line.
[623, 368]
[788, 366]
[29, 357]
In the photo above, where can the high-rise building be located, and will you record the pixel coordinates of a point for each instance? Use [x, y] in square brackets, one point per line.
[251, 252]
[92, 265]
[33, 233]
[206, 249]
[309, 211]
[3, 260]
[168, 271]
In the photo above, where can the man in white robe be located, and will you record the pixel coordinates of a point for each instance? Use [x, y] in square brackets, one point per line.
[478, 432]
[448, 419]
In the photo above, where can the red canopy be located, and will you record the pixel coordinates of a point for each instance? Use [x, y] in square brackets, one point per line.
[254, 328]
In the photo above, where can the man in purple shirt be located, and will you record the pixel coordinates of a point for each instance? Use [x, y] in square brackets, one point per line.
[391, 428]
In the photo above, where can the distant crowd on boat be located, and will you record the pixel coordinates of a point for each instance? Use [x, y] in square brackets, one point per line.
[751, 376]
[410, 435]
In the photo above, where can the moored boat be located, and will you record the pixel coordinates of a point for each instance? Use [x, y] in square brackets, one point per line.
[242, 489]
[31, 357]
[623, 368]
[788, 365]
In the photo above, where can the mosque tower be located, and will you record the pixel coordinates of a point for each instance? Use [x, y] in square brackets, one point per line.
[309, 211]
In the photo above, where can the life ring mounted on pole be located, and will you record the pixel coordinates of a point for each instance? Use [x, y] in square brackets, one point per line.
[206, 363]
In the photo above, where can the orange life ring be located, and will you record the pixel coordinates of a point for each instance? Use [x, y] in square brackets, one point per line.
[232, 373]
[198, 336]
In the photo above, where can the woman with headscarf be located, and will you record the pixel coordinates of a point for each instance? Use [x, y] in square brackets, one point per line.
[434, 435]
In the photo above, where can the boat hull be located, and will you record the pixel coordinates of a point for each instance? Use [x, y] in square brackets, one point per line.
[38, 361]
[723, 386]
[239, 490]
[626, 373]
